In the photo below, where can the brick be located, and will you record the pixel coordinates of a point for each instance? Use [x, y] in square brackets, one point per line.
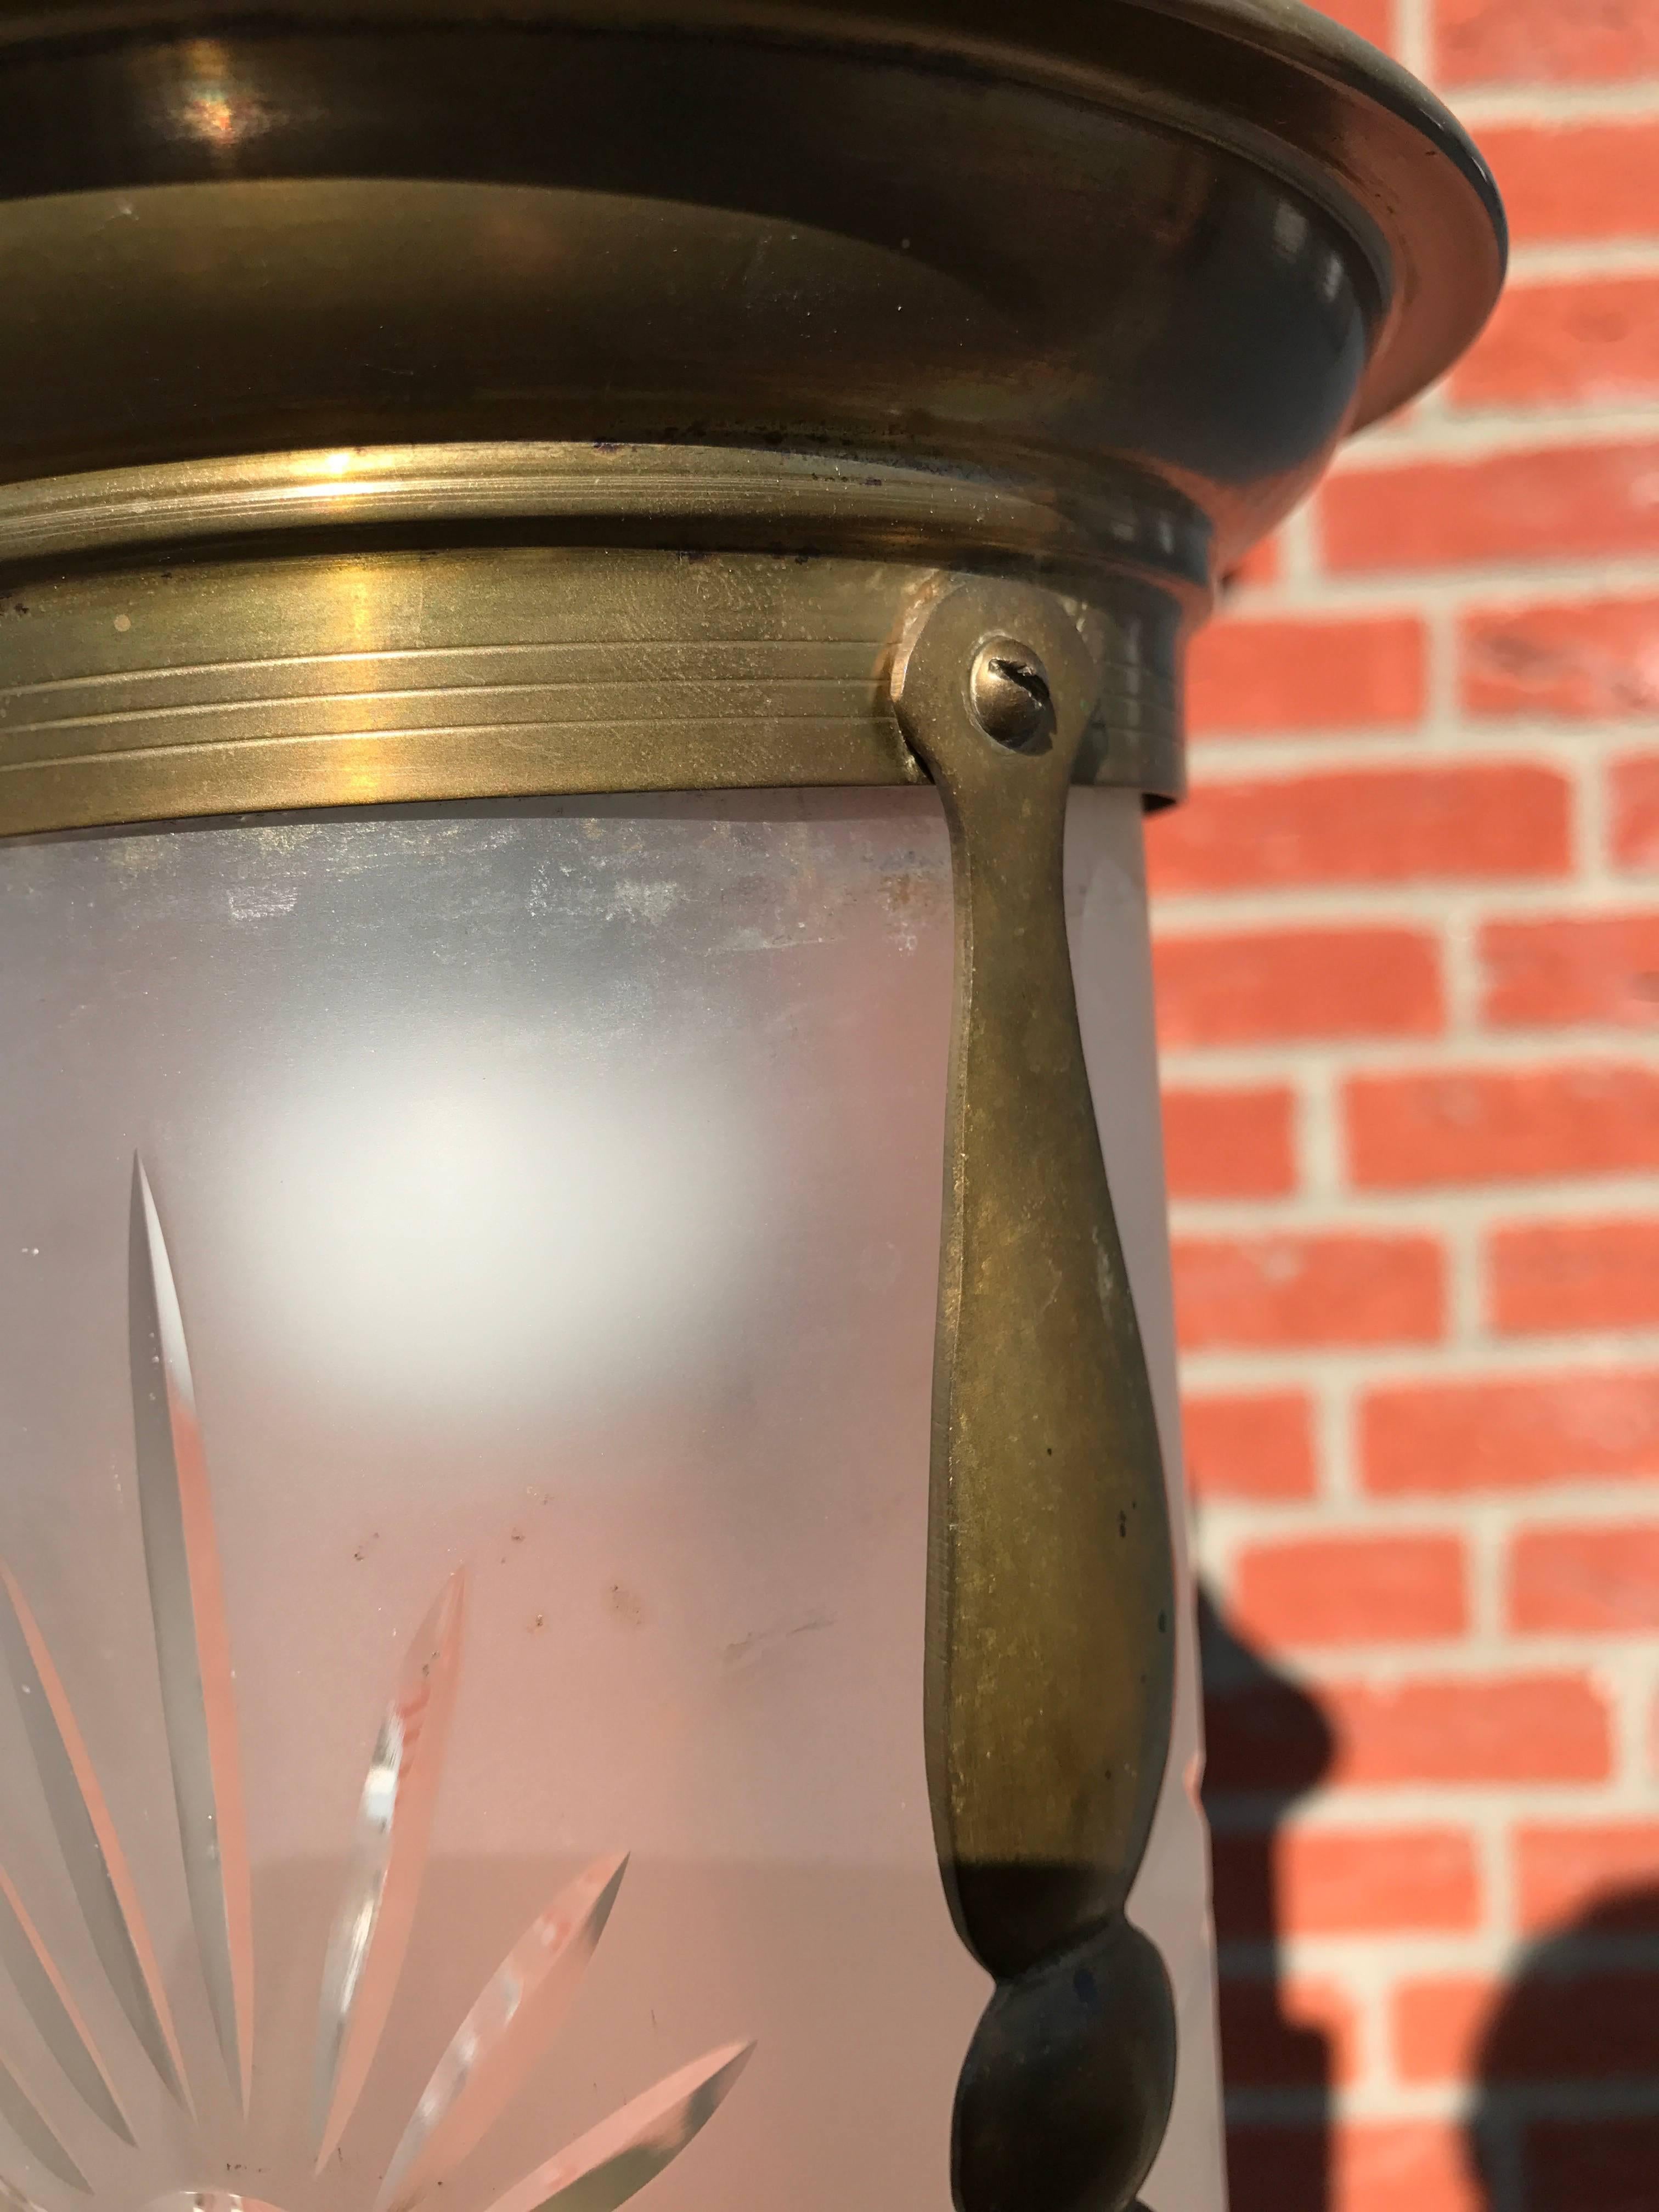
[1366, 826]
[1382, 2165]
[1561, 1873]
[1561, 1275]
[1247, 987]
[1259, 1448]
[1230, 1144]
[1371, 19]
[1344, 1882]
[1435, 2027]
[1265, 677]
[1634, 805]
[1558, 502]
[1276, 2035]
[1584, 660]
[1262, 564]
[1307, 1289]
[1598, 1580]
[1499, 1126]
[1541, 42]
[1601, 967]
[1568, 181]
[1310, 2166]
[1509, 1434]
[1352, 1589]
[1589, 341]
[1512, 1728]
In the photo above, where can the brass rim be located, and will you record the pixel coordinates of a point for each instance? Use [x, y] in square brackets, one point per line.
[721, 495]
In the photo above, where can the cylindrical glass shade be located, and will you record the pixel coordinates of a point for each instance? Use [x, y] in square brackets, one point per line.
[532, 1211]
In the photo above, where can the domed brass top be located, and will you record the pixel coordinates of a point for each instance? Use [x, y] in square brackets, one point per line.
[1192, 240]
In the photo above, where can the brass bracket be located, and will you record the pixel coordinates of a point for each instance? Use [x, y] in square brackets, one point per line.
[1050, 1628]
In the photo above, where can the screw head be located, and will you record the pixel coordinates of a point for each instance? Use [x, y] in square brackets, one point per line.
[1009, 691]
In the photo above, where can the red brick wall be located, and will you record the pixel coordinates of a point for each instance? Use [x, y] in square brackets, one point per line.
[1409, 965]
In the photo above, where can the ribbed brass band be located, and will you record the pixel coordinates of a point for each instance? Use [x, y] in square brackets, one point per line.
[327, 630]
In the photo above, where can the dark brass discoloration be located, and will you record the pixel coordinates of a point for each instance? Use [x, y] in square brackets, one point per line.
[1011, 696]
[1050, 1642]
[1066, 2094]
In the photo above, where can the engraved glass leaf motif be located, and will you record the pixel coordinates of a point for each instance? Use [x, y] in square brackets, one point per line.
[510, 2026]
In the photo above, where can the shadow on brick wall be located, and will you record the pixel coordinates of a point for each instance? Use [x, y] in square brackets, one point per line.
[1268, 1746]
[1565, 2116]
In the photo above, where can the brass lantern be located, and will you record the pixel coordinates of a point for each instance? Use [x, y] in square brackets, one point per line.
[592, 598]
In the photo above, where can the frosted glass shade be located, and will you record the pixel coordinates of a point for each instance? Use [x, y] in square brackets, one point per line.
[531, 1213]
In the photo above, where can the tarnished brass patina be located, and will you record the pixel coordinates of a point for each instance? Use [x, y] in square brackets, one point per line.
[434, 400]
[1046, 1453]
[1048, 1706]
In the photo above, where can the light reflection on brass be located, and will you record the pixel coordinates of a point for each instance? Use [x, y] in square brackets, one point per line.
[209, 106]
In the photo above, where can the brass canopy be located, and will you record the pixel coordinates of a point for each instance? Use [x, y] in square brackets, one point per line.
[1195, 240]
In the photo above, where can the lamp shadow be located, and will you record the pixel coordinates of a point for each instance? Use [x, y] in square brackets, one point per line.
[1268, 1746]
[1563, 2108]
[1565, 2113]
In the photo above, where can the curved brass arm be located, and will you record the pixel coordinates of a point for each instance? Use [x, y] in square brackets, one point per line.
[1050, 1633]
